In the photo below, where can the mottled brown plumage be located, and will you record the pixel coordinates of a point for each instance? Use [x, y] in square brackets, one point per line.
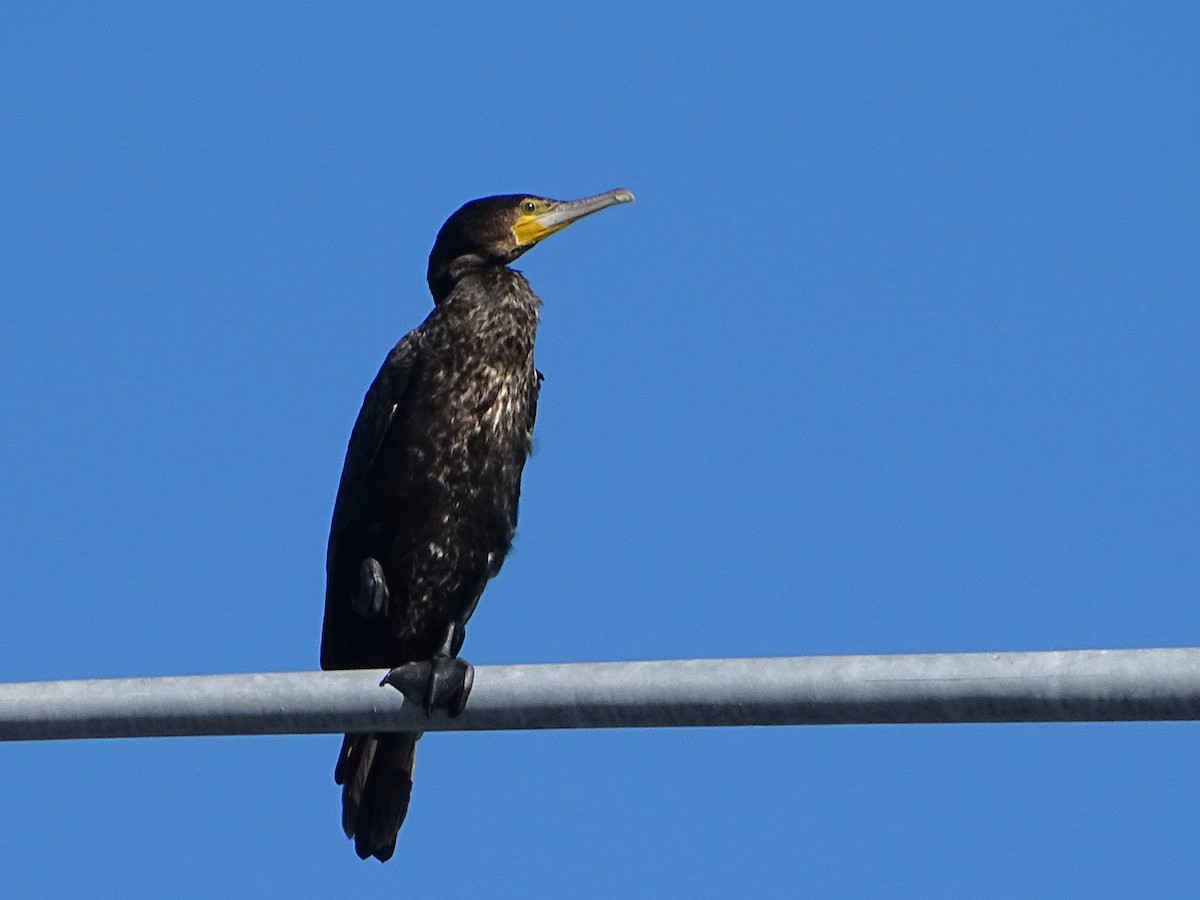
[427, 505]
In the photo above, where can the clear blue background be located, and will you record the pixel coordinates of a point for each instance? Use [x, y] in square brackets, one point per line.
[897, 351]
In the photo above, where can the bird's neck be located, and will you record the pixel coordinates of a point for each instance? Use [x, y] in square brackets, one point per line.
[445, 274]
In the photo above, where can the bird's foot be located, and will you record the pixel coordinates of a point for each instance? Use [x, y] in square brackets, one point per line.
[440, 684]
[371, 599]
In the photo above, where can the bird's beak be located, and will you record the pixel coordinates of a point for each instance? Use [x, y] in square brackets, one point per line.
[535, 226]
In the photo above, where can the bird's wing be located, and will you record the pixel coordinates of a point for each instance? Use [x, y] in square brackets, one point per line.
[383, 399]
[535, 390]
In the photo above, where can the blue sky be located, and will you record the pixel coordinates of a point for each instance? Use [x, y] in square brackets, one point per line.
[896, 352]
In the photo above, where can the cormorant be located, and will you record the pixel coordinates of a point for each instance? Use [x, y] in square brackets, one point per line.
[427, 504]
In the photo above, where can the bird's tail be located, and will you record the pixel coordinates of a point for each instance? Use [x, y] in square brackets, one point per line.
[375, 771]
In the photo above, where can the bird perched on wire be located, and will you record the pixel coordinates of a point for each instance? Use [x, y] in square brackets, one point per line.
[427, 504]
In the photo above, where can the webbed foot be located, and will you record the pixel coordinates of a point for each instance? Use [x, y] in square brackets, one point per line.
[371, 599]
[440, 684]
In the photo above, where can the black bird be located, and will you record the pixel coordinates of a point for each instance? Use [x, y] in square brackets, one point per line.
[427, 505]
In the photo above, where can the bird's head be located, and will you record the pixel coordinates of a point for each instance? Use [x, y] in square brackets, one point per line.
[496, 230]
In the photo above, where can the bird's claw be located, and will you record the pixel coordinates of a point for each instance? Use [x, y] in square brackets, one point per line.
[441, 684]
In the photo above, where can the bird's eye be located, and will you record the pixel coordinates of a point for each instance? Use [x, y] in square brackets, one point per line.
[529, 206]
